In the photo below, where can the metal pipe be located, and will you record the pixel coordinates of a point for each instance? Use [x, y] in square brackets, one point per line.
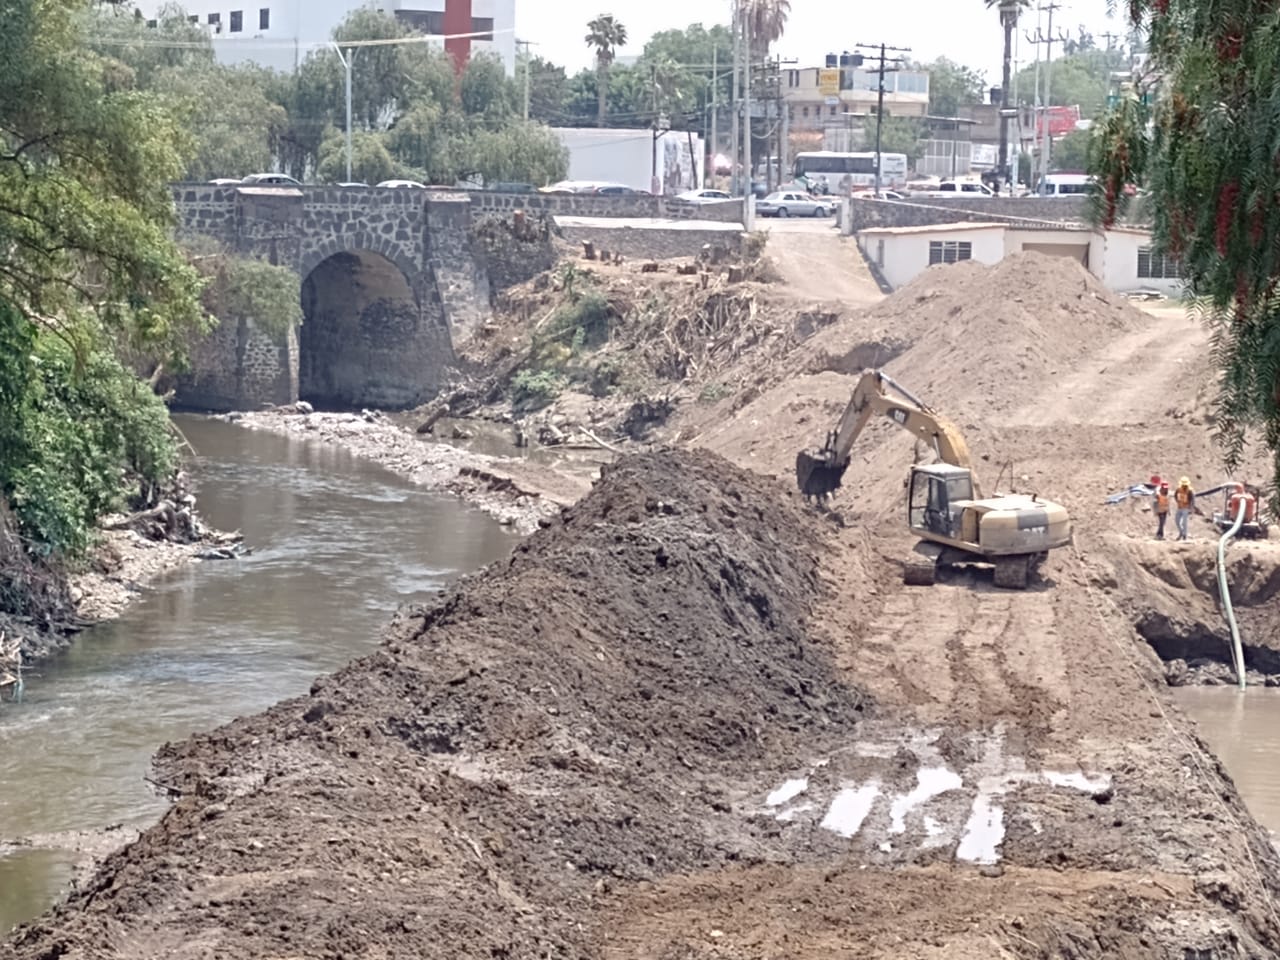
[1237, 650]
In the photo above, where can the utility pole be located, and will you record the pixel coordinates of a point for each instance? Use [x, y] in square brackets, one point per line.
[884, 58]
[1111, 39]
[1047, 37]
[784, 148]
[715, 116]
[746, 101]
[525, 44]
[735, 145]
[1011, 171]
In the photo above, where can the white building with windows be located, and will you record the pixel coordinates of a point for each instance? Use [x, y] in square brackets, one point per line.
[1122, 258]
[280, 33]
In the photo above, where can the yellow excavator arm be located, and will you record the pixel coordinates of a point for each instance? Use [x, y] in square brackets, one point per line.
[819, 472]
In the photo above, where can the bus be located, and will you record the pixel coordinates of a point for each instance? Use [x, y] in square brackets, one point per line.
[846, 172]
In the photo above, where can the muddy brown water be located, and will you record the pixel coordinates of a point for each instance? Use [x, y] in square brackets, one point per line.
[338, 544]
[1243, 729]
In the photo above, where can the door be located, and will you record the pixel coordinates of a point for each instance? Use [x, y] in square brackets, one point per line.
[929, 510]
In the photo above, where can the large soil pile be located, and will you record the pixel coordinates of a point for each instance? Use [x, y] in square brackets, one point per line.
[592, 712]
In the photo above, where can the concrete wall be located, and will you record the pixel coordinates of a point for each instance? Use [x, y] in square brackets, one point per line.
[640, 243]
[868, 214]
[901, 257]
[638, 206]
[1121, 272]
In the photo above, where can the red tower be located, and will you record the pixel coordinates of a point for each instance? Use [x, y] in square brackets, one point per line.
[457, 20]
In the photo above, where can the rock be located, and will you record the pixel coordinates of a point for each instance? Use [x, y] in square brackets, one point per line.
[1272, 681]
[303, 407]
[461, 434]
[1176, 673]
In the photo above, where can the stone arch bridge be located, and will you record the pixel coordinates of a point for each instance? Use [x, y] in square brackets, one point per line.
[391, 279]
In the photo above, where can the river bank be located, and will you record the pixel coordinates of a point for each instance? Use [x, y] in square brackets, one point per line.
[519, 493]
[120, 567]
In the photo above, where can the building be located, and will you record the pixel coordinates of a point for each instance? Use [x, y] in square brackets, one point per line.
[280, 33]
[1122, 258]
[814, 108]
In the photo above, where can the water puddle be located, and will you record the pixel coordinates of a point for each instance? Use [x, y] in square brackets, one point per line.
[849, 809]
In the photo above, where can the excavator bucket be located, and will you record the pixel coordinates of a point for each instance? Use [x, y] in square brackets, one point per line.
[815, 474]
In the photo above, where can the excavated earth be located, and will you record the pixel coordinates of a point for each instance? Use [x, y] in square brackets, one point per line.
[697, 718]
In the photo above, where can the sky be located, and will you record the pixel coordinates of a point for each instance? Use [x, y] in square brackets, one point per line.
[962, 30]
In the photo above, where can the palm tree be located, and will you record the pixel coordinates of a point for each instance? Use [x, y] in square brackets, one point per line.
[1010, 10]
[605, 34]
[768, 19]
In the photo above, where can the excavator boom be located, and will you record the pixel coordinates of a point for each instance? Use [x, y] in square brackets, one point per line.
[820, 472]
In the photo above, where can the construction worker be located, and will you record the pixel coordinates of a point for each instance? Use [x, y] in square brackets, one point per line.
[1161, 508]
[1185, 499]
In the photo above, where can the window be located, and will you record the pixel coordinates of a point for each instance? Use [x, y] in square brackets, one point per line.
[237, 21]
[834, 109]
[1157, 266]
[804, 111]
[482, 26]
[793, 78]
[151, 24]
[430, 22]
[194, 18]
[949, 251]
[215, 21]
[264, 18]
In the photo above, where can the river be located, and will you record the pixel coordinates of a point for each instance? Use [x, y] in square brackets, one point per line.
[337, 545]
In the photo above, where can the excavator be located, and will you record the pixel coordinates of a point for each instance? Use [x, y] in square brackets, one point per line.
[945, 506]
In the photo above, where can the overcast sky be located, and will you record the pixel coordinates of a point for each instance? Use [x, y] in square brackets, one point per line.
[962, 30]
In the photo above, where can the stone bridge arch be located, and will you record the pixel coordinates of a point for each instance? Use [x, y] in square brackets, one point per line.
[373, 331]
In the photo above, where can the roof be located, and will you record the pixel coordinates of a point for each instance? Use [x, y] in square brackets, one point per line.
[935, 228]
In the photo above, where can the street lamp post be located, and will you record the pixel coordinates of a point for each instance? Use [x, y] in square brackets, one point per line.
[347, 62]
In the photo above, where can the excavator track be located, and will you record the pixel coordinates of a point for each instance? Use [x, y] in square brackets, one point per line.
[1012, 573]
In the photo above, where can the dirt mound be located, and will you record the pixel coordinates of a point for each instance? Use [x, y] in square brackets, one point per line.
[593, 711]
[968, 330]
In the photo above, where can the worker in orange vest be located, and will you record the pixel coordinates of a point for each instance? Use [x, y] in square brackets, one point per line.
[1185, 499]
[1161, 508]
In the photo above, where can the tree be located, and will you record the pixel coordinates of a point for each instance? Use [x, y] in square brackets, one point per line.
[1081, 79]
[486, 90]
[1071, 152]
[605, 34]
[88, 272]
[902, 135]
[1010, 10]
[548, 90]
[952, 86]
[371, 162]
[1203, 144]
[767, 20]
[684, 62]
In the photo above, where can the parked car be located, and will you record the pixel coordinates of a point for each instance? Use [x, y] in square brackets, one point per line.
[958, 188]
[225, 182]
[403, 184]
[882, 195]
[504, 187]
[703, 196]
[270, 180]
[619, 190]
[791, 203]
[352, 183]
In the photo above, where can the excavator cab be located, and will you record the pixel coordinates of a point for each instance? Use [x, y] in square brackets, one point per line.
[935, 492]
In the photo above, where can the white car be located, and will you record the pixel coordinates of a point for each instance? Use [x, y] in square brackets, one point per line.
[403, 184]
[270, 180]
[787, 203]
[882, 195]
[703, 196]
[958, 188]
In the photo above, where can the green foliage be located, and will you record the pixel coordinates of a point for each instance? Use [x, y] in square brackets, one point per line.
[524, 152]
[548, 89]
[243, 288]
[1204, 145]
[533, 390]
[1082, 79]
[902, 135]
[73, 427]
[371, 161]
[952, 86]
[1072, 151]
[486, 91]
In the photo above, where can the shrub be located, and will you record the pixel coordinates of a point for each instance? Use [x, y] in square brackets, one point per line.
[533, 390]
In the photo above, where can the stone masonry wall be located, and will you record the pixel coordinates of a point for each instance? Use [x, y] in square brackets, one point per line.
[460, 271]
[637, 243]
[511, 259]
[240, 367]
[924, 212]
[635, 207]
